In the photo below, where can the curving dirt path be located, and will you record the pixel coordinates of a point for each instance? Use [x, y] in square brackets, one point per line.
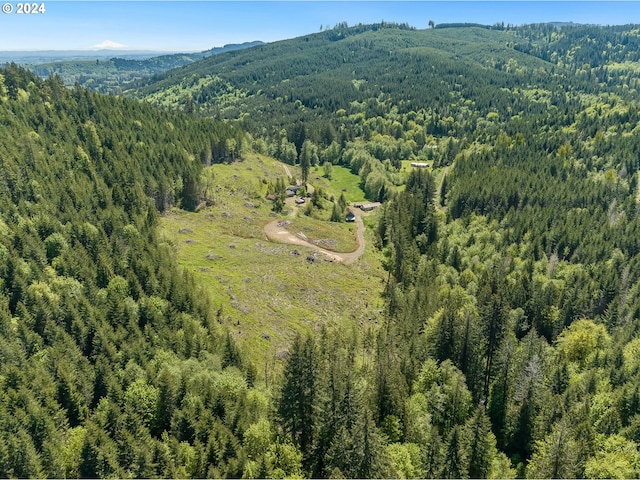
[287, 171]
[277, 233]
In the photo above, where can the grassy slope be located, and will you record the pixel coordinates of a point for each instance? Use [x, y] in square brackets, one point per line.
[260, 286]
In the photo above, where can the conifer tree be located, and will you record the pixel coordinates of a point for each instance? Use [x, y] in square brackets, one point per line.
[305, 160]
[296, 405]
[555, 456]
[432, 455]
[481, 444]
[336, 213]
[456, 464]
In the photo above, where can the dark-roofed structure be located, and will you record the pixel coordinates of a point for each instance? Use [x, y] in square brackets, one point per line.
[365, 207]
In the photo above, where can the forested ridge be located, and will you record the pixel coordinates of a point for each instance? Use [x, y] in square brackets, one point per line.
[109, 352]
[508, 345]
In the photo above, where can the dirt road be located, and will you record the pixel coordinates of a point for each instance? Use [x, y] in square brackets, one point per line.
[276, 231]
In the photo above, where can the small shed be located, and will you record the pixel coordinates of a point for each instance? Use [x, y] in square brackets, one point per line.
[351, 217]
[299, 201]
[366, 207]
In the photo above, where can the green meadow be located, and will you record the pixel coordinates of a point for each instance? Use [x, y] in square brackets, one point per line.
[342, 181]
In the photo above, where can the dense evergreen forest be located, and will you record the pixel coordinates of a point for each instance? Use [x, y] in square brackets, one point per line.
[113, 363]
[509, 346]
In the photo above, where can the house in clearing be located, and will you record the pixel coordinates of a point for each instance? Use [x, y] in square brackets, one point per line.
[366, 207]
[419, 164]
[292, 190]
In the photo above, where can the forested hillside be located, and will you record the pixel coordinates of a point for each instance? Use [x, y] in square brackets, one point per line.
[510, 340]
[113, 363]
[342, 68]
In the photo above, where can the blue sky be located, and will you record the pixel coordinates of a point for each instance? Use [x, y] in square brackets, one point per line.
[200, 25]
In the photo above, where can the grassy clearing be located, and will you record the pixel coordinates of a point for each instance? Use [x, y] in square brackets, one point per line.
[406, 167]
[269, 291]
[342, 181]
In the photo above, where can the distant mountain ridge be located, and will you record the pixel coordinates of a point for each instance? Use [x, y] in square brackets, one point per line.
[48, 56]
[106, 70]
[36, 57]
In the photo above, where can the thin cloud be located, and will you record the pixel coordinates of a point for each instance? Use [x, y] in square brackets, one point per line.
[109, 45]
